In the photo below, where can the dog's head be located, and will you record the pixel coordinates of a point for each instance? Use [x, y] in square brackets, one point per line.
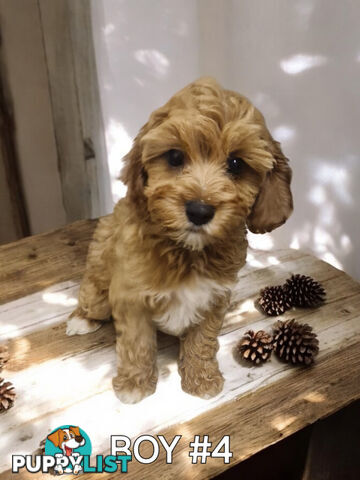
[67, 439]
[205, 163]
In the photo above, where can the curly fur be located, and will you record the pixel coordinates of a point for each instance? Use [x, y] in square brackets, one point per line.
[148, 266]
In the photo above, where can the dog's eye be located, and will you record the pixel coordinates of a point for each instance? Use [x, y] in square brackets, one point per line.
[175, 157]
[235, 165]
[65, 437]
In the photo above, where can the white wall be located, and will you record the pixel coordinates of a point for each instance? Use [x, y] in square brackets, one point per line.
[146, 50]
[298, 61]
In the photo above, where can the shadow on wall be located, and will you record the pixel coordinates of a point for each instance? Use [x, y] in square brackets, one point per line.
[304, 79]
[300, 70]
[145, 52]
[329, 205]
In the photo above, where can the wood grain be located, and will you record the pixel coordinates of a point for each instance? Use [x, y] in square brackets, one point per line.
[37, 262]
[27, 77]
[66, 118]
[51, 342]
[76, 107]
[258, 407]
[257, 419]
[13, 215]
[254, 420]
[89, 105]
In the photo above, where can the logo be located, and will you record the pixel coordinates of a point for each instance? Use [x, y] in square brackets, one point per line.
[69, 445]
[68, 451]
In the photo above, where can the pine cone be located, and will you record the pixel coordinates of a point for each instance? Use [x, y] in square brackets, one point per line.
[274, 301]
[7, 395]
[295, 342]
[255, 347]
[304, 291]
[4, 356]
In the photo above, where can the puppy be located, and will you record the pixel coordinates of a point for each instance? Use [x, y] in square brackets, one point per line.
[201, 171]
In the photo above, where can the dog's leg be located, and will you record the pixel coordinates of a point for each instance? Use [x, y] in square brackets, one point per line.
[93, 296]
[136, 352]
[93, 306]
[198, 367]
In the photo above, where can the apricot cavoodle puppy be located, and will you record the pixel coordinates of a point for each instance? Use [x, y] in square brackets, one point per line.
[201, 171]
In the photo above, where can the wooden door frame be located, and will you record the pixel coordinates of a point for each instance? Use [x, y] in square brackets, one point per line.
[63, 160]
[79, 131]
[13, 214]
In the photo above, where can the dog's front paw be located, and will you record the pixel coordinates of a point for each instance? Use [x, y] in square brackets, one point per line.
[134, 389]
[81, 326]
[58, 468]
[201, 378]
[77, 469]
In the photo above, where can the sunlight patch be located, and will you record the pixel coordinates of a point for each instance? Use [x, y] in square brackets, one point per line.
[57, 298]
[153, 59]
[118, 143]
[301, 62]
[336, 177]
[330, 258]
[314, 397]
[280, 423]
[284, 133]
[317, 195]
[273, 260]
[260, 241]
[109, 28]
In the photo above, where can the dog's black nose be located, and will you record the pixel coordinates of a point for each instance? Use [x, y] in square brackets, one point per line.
[79, 438]
[199, 213]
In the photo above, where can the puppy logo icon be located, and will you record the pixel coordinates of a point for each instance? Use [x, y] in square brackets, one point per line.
[68, 444]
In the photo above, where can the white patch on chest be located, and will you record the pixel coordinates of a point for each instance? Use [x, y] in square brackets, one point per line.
[186, 305]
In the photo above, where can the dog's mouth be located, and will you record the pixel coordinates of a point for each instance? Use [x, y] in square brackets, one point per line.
[195, 237]
[195, 229]
[68, 451]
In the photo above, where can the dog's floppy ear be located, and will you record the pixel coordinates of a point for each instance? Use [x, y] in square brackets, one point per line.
[274, 203]
[55, 437]
[133, 173]
[75, 430]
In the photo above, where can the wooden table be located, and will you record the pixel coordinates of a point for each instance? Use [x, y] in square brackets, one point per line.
[67, 380]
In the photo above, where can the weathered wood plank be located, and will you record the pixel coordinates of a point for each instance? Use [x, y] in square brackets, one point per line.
[260, 418]
[258, 406]
[52, 343]
[92, 369]
[32, 360]
[91, 361]
[37, 311]
[37, 262]
[254, 420]
[52, 306]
